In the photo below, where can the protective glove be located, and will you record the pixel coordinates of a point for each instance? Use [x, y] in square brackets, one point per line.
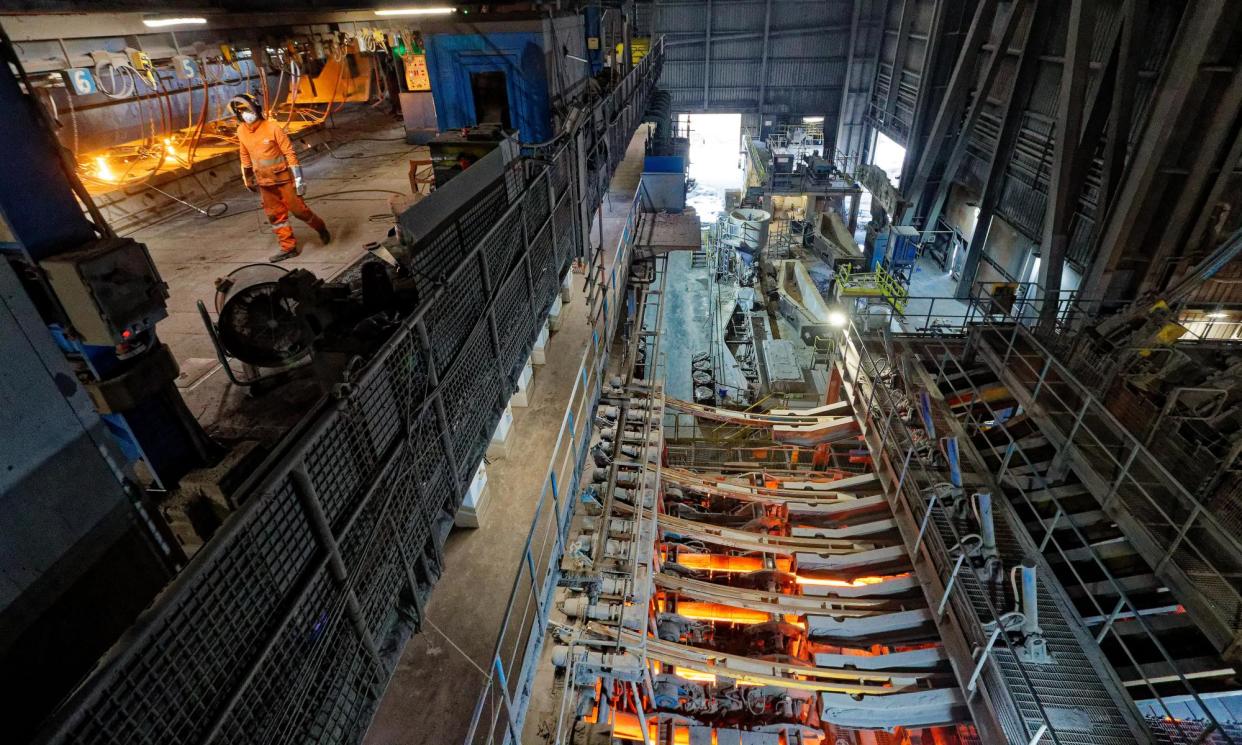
[248, 179]
[299, 183]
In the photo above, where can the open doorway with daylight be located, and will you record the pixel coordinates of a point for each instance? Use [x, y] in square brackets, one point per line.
[889, 156]
[715, 160]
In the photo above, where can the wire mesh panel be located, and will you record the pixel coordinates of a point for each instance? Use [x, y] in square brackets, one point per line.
[503, 245]
[168, 689]
[273, 696]
[545, 274]
[439, 254]
[473, 399]
[515, 324]
[564, 229]
[535, 204]
[450, 319]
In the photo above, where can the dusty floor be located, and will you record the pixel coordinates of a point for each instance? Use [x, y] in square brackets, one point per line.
[432, 695]
[350, 186]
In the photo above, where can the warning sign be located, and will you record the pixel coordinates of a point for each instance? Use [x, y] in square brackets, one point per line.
[416, 77]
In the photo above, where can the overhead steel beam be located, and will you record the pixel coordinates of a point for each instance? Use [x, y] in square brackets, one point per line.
[894, 83]
[864, 154]
[1019, 94]
[933, 47]
[1209, 159]
[957, 155]
[1134, 18]
[763, 64]
[1062, 189]
[1130, 218]
[773, 33]
[707, 55]
[1209, 228]
[949, 111]
[844, 113]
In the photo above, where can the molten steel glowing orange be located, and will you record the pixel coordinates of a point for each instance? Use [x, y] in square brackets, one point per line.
[729, 564]
[860, 582]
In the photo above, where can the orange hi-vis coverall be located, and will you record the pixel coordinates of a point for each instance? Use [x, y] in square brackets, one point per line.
[266, 148]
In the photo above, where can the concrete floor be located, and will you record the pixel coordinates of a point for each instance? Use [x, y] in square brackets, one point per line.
[432, 694]
[931, 297]
[350, 187]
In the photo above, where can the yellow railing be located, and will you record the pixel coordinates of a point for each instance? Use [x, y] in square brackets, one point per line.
[880, 283]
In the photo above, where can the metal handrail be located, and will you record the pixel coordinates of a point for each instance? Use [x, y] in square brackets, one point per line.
[894, 424]
[1006, 454]
[556, 498]
[1088, 409]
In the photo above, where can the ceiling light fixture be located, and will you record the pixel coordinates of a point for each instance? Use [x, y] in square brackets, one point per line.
[432, 11]
[162, 22]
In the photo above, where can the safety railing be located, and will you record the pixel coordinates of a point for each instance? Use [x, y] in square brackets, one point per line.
[500, 710]
[982, 417]
[877, 284]
[1183, 541]
[1015, 703]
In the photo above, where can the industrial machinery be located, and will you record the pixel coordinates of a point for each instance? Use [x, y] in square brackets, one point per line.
[290, 619]
[269, 317]
[455, 151]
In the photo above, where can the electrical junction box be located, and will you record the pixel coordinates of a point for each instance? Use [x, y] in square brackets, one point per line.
[110, 289]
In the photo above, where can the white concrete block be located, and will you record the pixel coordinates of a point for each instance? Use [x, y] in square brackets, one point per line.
[567, 287]
[525, 388]
[539, 354]
[501, 439]
[470, 515]
[554, 315]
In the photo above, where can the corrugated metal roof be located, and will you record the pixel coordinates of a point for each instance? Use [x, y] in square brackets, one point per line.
[805, 68]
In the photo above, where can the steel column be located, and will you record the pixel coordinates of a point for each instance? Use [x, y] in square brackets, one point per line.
[1122, 110]
[949, 112]
[904, 21]
[1019, 93]
[1063, 189]
[763, 63]
[1214, 139]
[960, 142]
[1131, 217]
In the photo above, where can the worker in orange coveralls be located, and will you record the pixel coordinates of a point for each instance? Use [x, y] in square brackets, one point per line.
[270, 167]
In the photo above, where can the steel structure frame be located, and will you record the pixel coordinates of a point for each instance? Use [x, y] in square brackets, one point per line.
[1013, 457]
[1181, 538]
[1010, 700]
[1020, 105]
[286, 626]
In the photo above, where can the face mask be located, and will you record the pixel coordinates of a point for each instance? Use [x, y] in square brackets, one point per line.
[249, 117]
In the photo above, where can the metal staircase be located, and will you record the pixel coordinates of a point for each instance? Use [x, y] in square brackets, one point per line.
[1032, 677]
[1153, 646]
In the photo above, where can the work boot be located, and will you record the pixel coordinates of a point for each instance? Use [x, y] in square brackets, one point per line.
[324, 236]
[285, 255]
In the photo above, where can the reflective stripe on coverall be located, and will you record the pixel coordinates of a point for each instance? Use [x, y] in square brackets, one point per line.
[264, 146]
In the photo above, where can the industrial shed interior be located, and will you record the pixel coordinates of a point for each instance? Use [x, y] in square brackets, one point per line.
[616, 372]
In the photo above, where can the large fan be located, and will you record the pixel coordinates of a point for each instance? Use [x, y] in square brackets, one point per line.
[258, 324]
